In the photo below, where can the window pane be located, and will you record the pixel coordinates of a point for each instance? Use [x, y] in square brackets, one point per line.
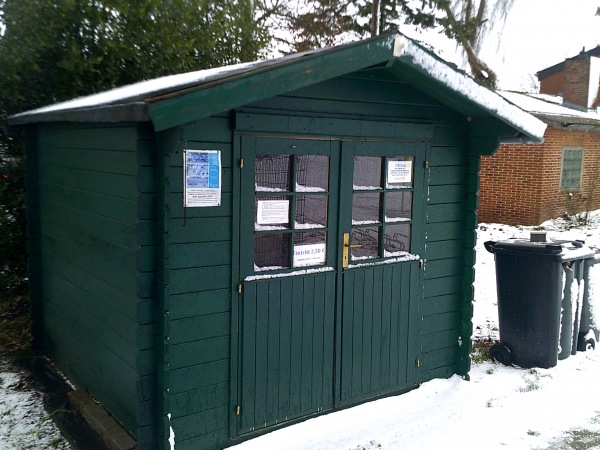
[310, 249]
[312, 173]
[397, 239]
[571, 169]
[368, 240]
[311, 211]
[398, 206]
[271, 251]
[399, 172]
[367, 172]
[273, 173]
[366, 208]
[271, 212]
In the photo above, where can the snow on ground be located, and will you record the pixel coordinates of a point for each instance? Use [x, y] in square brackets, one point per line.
[500, 407]
[24, 424]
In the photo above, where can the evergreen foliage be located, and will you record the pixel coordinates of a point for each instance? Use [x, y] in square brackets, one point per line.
[51, 51]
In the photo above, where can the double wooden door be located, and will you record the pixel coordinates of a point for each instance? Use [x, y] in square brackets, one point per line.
[330, 233]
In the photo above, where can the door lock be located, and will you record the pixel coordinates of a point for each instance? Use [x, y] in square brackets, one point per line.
[346, 252]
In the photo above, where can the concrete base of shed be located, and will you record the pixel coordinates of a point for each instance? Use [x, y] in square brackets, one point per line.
[109, 430]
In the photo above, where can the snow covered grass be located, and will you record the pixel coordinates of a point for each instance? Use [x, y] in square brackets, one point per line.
[24, 424]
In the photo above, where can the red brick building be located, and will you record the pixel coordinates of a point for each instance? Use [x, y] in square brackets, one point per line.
[528, 184]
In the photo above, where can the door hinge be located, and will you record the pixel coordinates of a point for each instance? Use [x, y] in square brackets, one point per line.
[422, 264]
[238, 410]
[240, 287]
[426, 164]
[417, 363]
[241, 163]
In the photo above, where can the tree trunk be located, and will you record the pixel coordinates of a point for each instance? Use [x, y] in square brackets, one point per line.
[480, 70]
[375, 18]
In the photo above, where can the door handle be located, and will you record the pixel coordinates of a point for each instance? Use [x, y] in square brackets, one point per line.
[352, 245]
[346, 252]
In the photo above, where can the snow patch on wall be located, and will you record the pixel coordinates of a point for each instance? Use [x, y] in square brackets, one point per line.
[405, 257]
[171, 433]
[289, 274]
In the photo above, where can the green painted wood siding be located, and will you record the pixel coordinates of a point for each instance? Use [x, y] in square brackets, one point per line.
[34, 264]
[445, 268]
[199, 272]
[97, 254]
[376, 332]
[288, 338]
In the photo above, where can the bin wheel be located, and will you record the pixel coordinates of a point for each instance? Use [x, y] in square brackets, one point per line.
[501, 353]
[586, 343]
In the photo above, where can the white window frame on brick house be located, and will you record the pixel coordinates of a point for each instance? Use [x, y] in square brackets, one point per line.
[571, 168]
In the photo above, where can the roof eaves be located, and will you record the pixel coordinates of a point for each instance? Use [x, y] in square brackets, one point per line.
[464, 86]
[566, 121]
[129, 112]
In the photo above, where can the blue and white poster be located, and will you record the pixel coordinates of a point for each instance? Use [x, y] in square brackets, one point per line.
[202, 178]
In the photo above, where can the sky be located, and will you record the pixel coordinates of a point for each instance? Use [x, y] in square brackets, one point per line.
[500, 407]
[537, 35]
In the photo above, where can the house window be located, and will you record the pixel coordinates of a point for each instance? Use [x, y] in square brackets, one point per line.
[572, 168]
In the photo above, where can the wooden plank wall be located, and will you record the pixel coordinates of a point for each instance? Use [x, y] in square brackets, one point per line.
[200, 296]
[34, 258]
[446, 222]
[97, 256]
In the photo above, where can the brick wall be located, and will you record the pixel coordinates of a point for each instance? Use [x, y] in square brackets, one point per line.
[553, 84]
[520, 184]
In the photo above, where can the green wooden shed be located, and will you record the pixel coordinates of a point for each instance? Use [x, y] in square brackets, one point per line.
[219, 253]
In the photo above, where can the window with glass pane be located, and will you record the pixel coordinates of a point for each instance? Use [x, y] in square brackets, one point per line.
[290, 187]
[367, 172]
[572, 165]
[381, 206]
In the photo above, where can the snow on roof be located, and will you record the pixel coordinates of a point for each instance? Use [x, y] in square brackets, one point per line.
[464, 84]
[402, 49]
[142, 89]
[550, 107]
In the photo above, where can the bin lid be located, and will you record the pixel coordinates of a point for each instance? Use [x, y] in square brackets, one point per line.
[524, 245]
[576, 250]
[565, 250]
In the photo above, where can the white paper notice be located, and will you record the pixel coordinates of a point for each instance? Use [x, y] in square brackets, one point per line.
[272, 212]
[202, 178]
[399, 172]
[309, 255]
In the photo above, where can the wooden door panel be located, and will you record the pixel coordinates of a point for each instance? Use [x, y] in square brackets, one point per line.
[376, 346]
[287, 340]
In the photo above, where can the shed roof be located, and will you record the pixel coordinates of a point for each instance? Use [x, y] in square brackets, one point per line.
[177, 99]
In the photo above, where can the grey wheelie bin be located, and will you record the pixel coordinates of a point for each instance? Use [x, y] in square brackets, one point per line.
[589, 327]
[572, 300]
[539, 290]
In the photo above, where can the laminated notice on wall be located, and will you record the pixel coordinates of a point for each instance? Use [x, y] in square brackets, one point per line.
[309, 255]
[270, 212]
[202, 178]
[399, 172]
